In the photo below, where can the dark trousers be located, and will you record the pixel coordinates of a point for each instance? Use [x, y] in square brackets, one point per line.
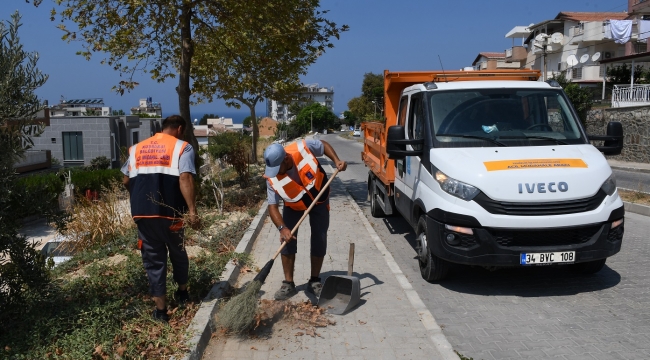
[158, 237]
[319, 221]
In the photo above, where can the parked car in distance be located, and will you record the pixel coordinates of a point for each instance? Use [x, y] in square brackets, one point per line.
[356, 132]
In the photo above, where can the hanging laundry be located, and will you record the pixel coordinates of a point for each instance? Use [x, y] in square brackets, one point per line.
[644, 29]
[621, 30]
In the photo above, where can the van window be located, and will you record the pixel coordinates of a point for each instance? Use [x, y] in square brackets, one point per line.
[416, 121]
[402, 110]
[497, 117]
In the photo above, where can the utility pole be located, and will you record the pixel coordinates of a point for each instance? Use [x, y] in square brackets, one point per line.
[311, 116]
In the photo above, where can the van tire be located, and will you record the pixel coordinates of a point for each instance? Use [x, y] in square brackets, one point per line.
[375, 208]
[589, 267]
[432, 268]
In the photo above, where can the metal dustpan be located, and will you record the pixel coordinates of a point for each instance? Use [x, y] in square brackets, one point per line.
[341, 293]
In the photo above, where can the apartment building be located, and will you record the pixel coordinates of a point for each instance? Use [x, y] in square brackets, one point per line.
[575, 42]
[80, 107]
[310, 93]
[148, 107]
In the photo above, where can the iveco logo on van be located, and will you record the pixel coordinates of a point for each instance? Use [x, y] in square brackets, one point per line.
[543, 187]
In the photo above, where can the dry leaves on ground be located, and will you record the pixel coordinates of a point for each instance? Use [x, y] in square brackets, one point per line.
[301, 315]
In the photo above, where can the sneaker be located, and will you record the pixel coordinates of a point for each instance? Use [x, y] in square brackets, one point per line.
[287, 290]
[315, 287]
[182, 296]
[161, 315]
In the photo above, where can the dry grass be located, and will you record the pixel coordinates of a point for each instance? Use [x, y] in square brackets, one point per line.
[637, 197]
[99, 222]
[262, 144]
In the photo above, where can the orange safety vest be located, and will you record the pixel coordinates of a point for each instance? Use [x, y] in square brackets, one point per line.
[313, 177]
[154, 175]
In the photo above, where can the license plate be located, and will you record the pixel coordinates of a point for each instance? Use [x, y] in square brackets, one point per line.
[548, 258]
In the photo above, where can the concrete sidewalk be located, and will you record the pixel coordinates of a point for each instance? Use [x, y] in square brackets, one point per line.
[391, 321]
[629, 166]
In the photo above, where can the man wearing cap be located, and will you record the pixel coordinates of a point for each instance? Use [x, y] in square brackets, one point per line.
[294, 174]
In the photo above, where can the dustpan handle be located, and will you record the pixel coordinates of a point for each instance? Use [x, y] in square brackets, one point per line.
[351, 260]
[304, 215]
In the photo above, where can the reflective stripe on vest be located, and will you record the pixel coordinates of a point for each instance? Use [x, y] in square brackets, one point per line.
[154, 173]
[296, 196]
[153, 157]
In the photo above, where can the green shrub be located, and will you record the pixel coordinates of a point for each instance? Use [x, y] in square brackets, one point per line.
[41, 191]
[100, 163]
[233, 149]
[94, 180]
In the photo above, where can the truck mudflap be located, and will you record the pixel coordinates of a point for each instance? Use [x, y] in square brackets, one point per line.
[516, 247]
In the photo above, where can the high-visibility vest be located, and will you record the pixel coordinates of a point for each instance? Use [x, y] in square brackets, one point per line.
[312, 176]
[154, 175]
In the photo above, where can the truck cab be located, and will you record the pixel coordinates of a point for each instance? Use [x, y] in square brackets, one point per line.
[498, 173]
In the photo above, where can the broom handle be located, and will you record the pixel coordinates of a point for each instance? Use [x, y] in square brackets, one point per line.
[304, 215]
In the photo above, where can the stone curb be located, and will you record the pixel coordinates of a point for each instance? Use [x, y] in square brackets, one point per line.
[201, 326]
[627, 168]
[637, 208]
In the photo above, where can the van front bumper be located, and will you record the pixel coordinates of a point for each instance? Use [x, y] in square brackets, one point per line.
[504, 246]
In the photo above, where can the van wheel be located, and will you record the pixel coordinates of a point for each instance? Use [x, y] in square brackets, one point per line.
[432, 268]
[375, 208]
[589, 267]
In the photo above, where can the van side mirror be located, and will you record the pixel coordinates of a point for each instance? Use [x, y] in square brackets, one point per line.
[613, 141]
[396, 143]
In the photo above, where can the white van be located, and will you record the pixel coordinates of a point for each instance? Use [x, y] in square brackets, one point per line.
[500, 173]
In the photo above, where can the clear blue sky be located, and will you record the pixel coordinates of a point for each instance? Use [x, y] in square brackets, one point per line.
[394, 35]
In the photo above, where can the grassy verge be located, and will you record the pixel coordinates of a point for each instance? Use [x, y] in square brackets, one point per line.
[98, 307]
[636, 197]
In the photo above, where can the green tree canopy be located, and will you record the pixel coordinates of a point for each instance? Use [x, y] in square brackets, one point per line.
[580, 97]
[370, 105]
[622, 74]
[316, 115]
[247, 121]
[157, 38]
[260, 50]
[23, 274]
[205, 117]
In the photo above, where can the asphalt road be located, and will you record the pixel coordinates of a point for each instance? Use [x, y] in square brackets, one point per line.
[530, 313]
[633, 180]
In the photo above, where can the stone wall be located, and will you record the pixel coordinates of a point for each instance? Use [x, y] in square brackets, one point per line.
[636, 128]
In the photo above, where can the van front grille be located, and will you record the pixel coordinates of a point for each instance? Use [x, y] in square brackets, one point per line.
[540, 208]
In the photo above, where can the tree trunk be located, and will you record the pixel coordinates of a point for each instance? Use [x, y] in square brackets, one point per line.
[256, 130]
[183, 89]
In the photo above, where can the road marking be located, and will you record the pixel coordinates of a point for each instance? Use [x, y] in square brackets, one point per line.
[435, 332]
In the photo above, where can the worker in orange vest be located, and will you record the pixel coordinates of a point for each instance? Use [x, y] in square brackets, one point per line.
[294, 175]
[160, 178]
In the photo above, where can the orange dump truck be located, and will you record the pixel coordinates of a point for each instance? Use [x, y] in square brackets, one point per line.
[493, 168]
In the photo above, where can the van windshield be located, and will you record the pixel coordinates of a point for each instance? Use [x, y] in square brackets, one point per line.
[503, 117]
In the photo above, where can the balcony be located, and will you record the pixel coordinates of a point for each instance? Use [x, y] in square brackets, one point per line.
[626, 95]
[516, 54]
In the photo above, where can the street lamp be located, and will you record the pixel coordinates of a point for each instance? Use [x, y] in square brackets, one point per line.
[374, 102]
[311, 115]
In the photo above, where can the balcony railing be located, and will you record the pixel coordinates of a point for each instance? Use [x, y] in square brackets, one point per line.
[626, 95]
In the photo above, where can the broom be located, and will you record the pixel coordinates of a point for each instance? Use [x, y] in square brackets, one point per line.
[238, 314]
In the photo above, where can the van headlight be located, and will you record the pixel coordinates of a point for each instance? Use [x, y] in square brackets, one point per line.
[456, 188]
[609, 186]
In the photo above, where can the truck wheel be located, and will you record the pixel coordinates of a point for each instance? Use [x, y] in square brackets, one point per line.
[375, 208]
[432, 268]
[589, 267]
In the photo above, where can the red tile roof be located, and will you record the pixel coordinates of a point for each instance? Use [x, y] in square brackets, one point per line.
[591, 16]
[492, 55]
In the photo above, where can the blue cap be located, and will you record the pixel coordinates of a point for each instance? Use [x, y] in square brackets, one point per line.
[273, 157]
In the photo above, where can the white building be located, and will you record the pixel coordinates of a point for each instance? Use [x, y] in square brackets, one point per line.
[311, 93]
[80, 107]
[224, 124]
[574, 42]
[148, 107]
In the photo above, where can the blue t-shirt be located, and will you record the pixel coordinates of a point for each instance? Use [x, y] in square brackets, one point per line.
[185, 163]
[317, 149]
